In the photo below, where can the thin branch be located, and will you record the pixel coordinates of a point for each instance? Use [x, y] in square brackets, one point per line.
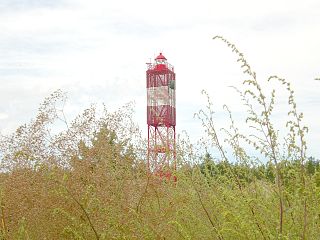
[206, 211]
[85, 212]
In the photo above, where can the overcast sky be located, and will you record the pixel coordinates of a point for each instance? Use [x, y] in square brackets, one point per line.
[96, 51]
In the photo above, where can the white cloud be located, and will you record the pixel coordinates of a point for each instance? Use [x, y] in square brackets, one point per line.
[96, 51]
[3, 116]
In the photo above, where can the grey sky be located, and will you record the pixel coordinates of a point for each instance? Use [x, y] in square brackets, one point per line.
[96, 51]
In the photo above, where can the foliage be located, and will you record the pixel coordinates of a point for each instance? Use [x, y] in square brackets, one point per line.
[89, 180]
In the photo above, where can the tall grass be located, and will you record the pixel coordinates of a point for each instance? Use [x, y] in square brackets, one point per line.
[89, 181]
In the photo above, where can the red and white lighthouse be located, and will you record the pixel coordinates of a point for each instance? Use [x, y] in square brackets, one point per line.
[161, 117]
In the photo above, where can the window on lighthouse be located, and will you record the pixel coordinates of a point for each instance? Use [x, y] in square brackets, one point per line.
[160, 61]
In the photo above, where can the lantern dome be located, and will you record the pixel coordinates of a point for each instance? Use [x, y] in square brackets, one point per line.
[160, 57]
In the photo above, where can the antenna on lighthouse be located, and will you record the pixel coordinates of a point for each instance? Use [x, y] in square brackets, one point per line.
[149, 63]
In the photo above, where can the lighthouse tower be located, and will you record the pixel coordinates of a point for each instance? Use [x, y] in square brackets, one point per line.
[161, 117]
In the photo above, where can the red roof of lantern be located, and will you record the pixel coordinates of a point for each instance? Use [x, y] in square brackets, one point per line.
[160, 57]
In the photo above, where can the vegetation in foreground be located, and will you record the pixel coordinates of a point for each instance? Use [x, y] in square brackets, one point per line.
[89, 180]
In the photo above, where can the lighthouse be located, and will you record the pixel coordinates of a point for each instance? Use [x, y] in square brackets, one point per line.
[161, 117]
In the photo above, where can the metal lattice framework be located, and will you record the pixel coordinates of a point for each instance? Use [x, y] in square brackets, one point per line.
[161, 118]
